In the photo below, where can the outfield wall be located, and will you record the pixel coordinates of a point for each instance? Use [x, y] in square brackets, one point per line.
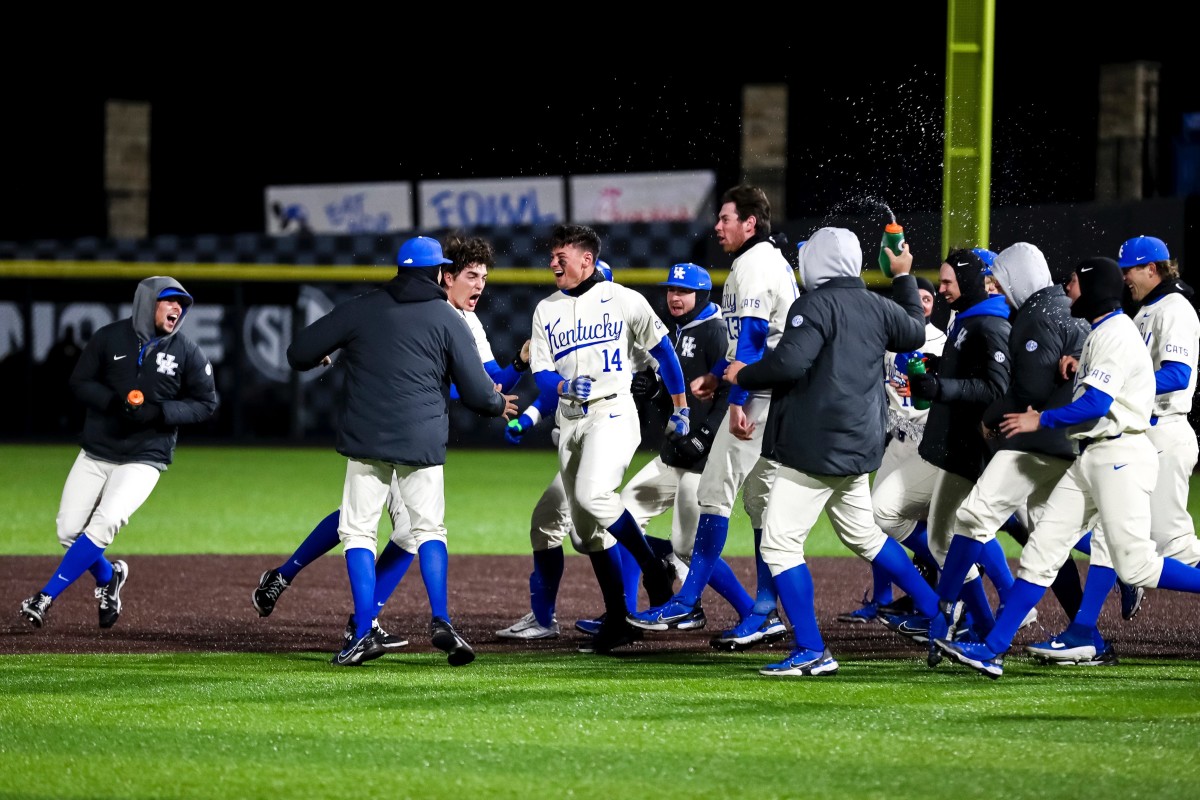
[253, 290]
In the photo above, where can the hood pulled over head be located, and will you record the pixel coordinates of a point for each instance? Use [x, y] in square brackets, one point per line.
[968, 272]
[829, 253]
[1021, 270]
[145, 303]
[1100, 288]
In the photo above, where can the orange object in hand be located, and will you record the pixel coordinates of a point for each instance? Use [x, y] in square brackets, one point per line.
[135, 397]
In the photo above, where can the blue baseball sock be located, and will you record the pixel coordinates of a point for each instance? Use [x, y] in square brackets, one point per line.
[607, 566]
[711, 533]
[360, 566]
[881, 585]
[795, 588]
[962, 555]
[1022, 597]
[765, 600]
[631, 576]
[320, 541]
[101, 570]
[82, 553]
[976, 601]
[1100, 581]
[543, 583]
[892, 561]
[390, 568]
[918, 543]
[1084, 545]
[995, 566]
[726, 584]
[1179, 576]
[627, 531]
[434, 566]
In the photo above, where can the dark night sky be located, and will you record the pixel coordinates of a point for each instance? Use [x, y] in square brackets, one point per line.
[865, 116]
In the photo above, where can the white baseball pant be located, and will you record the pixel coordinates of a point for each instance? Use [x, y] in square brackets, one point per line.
[735, 464]
[1011, 480]
[99, 497]
[657, 488]
[1171, 525]
[368, 484]
[594, 452]
[903, 489]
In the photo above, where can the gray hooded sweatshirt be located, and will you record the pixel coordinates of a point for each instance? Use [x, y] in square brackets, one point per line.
[1043, 331]
[172, 372]
[828, 406]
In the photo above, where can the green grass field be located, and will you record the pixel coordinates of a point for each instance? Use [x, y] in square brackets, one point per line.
[527, 724]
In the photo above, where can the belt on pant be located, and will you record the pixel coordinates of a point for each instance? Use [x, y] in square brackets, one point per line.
[577, 410]
[1086, 443]
[1154, 418]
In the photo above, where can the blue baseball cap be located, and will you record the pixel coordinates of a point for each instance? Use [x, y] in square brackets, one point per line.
[421, 251]
[175, 291]
[987, 257]
[605, 270]
[688, 276]
[1142, 250]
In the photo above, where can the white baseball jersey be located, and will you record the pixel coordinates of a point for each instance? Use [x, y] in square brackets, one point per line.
[1171, 331]
[902, 415]
[481, 341]
[595, 334]
[1115, 361]
[761, 285]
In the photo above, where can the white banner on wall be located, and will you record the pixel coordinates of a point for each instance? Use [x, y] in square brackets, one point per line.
[642, 196]
[499, 201]
[339, 208]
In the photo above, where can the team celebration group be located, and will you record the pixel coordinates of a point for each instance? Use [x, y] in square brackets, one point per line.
[1055, 413]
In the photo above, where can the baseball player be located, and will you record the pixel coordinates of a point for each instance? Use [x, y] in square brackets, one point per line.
[904, 481]
[401, 344]
[755, 299]
[825, 430]
[464, 280]
[1171, 331]
[1024, 469]
[140, 379]
[582, 341]
[1113, 476]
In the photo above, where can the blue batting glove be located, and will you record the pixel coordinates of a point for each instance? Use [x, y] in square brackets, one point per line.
[579, 389]
[516, 429]
[679, 425]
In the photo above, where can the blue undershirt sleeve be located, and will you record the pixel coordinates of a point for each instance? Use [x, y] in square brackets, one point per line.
[1171, 377]
[1091, 405]
[668, 366]
[751, 344]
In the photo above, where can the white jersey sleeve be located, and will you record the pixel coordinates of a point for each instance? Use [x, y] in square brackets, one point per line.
[761, 285]
[1171, 331]
[481, 341]
[1115, 361]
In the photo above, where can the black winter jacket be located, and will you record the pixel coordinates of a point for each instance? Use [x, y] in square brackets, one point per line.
[972, 372]
[171, 371]
[828, 407]
[402, 346]
[1043, 331]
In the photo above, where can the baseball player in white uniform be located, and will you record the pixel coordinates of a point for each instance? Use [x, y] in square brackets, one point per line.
[755, 299]
[1171, 332]
[582, 341]
[904, 481]
[1114, 475]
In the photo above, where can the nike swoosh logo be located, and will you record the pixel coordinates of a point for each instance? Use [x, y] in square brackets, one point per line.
[1119, 466]
[61, 578]
[1056, 645]
[117, 358]
[1086, 269]
[605, 300]
[963, 264]
[613, 416]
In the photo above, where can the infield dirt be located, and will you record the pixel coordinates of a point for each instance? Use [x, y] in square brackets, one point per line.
[202, 603]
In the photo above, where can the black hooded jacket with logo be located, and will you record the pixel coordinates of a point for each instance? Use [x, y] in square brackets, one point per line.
[171, 371]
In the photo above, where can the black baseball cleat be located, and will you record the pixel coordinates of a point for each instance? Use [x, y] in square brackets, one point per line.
[1131, 600]
[366, 648]
[109, 595]
[270, 586]
[446, 639]
[611, 636]
[389, 641]
[36, 609]
[660, 582]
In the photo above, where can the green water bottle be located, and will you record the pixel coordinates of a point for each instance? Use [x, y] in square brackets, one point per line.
[893, 235]
[916, 366]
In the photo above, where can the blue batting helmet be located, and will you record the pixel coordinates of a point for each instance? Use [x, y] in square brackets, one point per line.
[1142, 250]
[688, 276]
[605, 270]
[421, 251]
[987, 257]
